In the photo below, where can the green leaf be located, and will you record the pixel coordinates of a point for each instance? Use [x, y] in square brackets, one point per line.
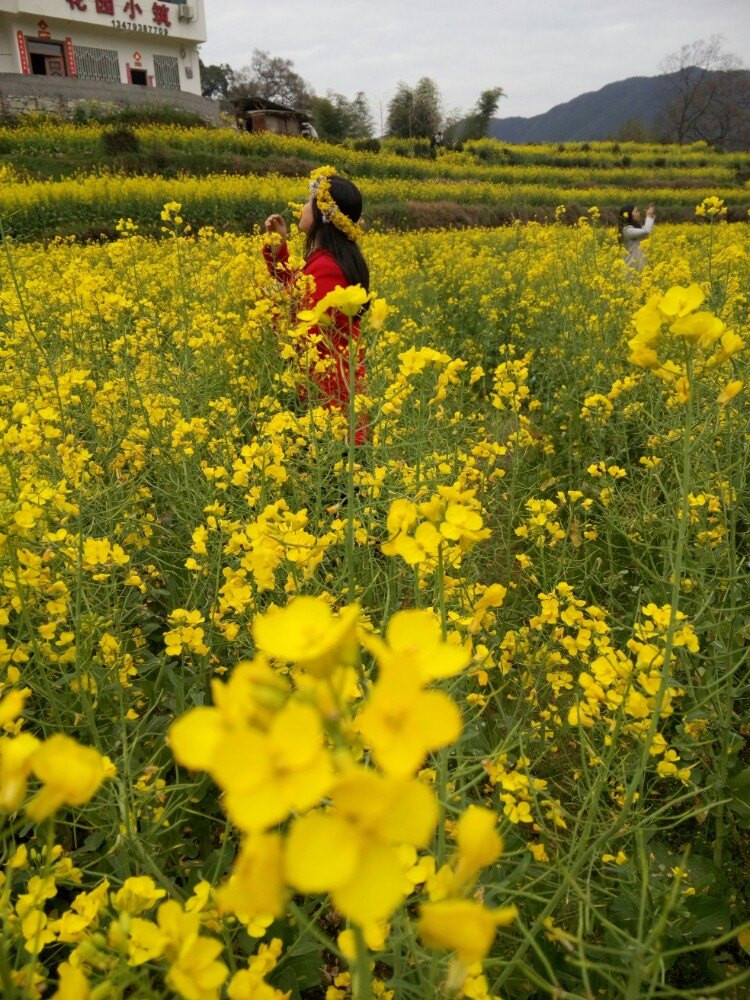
[739, 786]
[300, 973]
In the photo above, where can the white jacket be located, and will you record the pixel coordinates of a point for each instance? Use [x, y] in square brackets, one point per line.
[631, 238]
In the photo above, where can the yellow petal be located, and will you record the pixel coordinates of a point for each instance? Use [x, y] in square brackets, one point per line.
[296, 735]
[376, 889]
[729, 391]
[478, 841]
[679, 300]
[437, 716]
[256, 884]
[407, 629]
[241, 761]
[195, 736]
[321, 853]
[412, 814]
[257, 809]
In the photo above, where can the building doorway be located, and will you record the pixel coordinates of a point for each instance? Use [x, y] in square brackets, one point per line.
[46, 58]
[139, 77]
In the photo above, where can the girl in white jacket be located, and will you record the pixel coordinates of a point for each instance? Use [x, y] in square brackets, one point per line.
[632, 232]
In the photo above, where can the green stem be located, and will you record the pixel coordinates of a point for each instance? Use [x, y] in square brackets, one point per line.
[726, 709]
[350, 465]
[362, 986]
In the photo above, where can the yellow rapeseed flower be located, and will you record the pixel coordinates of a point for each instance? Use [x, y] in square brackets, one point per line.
[306, 632]
[70, 775]
[463, 926]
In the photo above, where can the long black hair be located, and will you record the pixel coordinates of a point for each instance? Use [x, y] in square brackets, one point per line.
[325, 236]
[626, 218]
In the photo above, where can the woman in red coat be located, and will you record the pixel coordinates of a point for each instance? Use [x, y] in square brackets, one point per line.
[333, 260]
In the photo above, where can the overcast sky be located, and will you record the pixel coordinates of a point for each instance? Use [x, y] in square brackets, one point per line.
[542, 52]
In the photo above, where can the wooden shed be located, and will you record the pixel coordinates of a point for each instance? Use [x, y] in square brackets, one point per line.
[255, 114]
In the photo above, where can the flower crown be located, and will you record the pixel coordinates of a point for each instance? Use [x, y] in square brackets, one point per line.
[320, 190]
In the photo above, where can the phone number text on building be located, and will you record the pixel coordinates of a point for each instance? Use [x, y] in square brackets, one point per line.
[150, 29]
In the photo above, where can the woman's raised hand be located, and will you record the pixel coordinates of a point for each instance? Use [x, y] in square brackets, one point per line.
[650, 209]
[276, 224]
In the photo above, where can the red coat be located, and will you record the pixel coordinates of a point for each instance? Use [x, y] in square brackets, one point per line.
[333, 384]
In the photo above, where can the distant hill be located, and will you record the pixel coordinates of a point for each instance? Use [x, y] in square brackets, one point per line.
[596, 115]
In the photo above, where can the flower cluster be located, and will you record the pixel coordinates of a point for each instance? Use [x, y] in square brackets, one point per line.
[695, 336]
[711, 208]
[354, 830]
[70, 774]
[450, 522]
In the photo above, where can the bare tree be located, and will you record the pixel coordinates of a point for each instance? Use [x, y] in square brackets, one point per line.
[727, 122]
[708, 94]
[274, 79]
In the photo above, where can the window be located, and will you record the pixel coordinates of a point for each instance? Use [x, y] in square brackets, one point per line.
[97, 64]
[166, 72]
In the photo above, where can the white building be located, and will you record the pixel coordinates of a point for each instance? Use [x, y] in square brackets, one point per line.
[141, 43]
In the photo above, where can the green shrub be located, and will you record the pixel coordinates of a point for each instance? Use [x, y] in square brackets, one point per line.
[367, 145]
[120, 140]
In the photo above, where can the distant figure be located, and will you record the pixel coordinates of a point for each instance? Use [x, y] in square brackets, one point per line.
[309, 131]
[632, 232]
[435, 141]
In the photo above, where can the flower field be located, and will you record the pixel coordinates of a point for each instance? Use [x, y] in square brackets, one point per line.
[463, 711]
[228, 179]
[40, 209]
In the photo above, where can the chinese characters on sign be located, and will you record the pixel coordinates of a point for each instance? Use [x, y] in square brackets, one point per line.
[22, 51]
[131, 8]
[70, 56]
[161, 14]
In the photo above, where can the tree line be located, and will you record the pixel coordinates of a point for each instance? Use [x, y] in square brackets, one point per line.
[414, 112]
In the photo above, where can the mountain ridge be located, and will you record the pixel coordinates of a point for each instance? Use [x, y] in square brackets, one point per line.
[592, 116]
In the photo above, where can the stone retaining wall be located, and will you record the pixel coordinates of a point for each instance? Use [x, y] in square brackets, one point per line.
[61, 95]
